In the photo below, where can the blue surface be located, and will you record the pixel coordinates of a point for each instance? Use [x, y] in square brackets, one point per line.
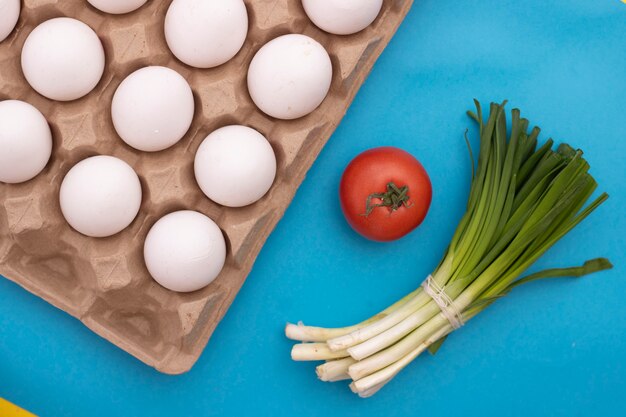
[550, 349]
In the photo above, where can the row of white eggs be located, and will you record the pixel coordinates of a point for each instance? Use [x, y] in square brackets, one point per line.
[63, 59]
[101, 195]
[152, 109]
[339, 17]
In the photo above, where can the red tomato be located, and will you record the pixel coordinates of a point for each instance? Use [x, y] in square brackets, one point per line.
[385, 193]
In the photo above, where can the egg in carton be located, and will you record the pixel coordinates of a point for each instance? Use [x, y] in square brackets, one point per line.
[104, 282]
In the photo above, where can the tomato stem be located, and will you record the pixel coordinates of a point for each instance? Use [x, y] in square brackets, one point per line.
[394, 198]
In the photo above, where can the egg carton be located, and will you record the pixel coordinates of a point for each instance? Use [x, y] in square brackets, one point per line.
[104, 282]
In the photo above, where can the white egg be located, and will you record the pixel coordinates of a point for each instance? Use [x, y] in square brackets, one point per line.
[152, 108]
[100, 196]
[25, 142]
[235, 166]
[184, 251]
[290, 76]
[117, 6]
[206, 33]
[342, 17]
[9, 14]
[63, 59]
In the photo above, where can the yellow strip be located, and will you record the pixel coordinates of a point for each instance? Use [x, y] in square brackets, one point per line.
[9, 410]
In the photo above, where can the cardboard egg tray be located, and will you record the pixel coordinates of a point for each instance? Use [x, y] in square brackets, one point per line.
[104, 282]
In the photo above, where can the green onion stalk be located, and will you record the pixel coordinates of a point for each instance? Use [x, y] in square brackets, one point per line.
[522, 200]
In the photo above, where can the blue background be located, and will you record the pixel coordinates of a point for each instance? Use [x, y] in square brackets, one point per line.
[550, 349]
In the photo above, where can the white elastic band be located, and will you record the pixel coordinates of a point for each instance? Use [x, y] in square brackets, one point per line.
[445, 303]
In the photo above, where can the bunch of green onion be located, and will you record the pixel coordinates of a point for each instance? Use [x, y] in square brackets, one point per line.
[523, 199]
